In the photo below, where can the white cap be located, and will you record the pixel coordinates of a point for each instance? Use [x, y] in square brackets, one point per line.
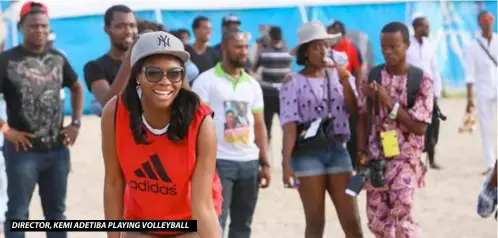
[158, 42]
[313, 30]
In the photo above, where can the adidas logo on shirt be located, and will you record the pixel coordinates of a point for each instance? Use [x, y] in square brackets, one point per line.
[151, 171]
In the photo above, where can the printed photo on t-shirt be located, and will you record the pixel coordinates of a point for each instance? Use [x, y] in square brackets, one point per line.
[236, 122]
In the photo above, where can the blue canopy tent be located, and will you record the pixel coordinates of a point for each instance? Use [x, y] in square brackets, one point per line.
[79, 24]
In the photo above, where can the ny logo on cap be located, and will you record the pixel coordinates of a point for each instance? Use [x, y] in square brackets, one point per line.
[163, 39]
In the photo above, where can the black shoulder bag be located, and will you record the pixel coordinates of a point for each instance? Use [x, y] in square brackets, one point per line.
[323, 136]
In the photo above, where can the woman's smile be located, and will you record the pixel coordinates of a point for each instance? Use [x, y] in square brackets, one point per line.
[163, 94]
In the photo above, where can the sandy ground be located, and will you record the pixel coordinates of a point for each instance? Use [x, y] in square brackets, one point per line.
[446, 208]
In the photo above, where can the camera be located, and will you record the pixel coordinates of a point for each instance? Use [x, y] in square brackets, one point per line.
[373, 171]
[377, 168]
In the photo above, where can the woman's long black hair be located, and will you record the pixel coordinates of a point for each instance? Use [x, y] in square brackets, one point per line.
[183, 109]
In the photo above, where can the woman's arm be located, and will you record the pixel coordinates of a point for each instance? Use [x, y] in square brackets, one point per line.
[289, 115]
[203, 210]
[113, 181]
[289, 140]
[348, 83]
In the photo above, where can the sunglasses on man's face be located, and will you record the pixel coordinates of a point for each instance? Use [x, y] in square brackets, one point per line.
[154, 74]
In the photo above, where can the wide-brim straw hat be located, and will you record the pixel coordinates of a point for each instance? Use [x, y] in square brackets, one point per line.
[311, 31]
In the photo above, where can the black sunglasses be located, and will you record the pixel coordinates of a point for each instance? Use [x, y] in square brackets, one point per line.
[154, 74]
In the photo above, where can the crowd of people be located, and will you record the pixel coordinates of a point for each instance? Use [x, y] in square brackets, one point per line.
[186, 126]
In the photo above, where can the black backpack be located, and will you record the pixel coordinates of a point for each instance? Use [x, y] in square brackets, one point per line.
[413, 85]
[415, 75]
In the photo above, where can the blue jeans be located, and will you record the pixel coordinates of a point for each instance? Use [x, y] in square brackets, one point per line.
[240, 194]
[50, 170]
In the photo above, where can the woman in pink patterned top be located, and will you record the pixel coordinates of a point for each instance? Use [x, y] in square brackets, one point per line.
[389, 208]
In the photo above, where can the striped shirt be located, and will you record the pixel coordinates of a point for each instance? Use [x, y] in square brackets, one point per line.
[275, 63]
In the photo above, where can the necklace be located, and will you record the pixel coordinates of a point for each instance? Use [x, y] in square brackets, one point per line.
[319, 108]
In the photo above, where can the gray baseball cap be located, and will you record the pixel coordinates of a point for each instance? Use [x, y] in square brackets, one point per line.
[158, 42]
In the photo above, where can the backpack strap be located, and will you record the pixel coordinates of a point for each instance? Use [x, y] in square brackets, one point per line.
[415, 75]
[373, 75]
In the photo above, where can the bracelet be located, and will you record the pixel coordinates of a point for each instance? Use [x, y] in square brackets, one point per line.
[394, 113]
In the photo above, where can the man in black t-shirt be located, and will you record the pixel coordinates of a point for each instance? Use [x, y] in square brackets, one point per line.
[105, 68]
[36, 144]
[203, 56]
[121, 27]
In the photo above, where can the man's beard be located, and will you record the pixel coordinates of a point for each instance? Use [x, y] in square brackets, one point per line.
[236, 63]
[121, 47]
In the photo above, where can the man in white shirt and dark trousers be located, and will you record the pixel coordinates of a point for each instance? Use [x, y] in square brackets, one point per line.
[237, 101]
[481, 69]
[422, 54]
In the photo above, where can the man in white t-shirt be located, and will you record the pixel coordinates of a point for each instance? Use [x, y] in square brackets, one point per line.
[237, 101]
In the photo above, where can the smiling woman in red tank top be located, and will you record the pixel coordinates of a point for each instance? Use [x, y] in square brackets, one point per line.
[159, 145]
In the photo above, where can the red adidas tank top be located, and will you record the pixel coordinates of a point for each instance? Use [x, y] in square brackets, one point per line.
[158, 175]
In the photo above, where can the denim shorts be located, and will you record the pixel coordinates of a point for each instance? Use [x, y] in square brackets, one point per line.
[331, 160]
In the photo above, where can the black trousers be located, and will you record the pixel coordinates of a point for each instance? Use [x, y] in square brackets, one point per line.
[352, 144]
[272, 106]
[432, 134]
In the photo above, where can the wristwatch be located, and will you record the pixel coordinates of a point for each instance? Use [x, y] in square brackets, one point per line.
[76, 123]
[394, 113]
